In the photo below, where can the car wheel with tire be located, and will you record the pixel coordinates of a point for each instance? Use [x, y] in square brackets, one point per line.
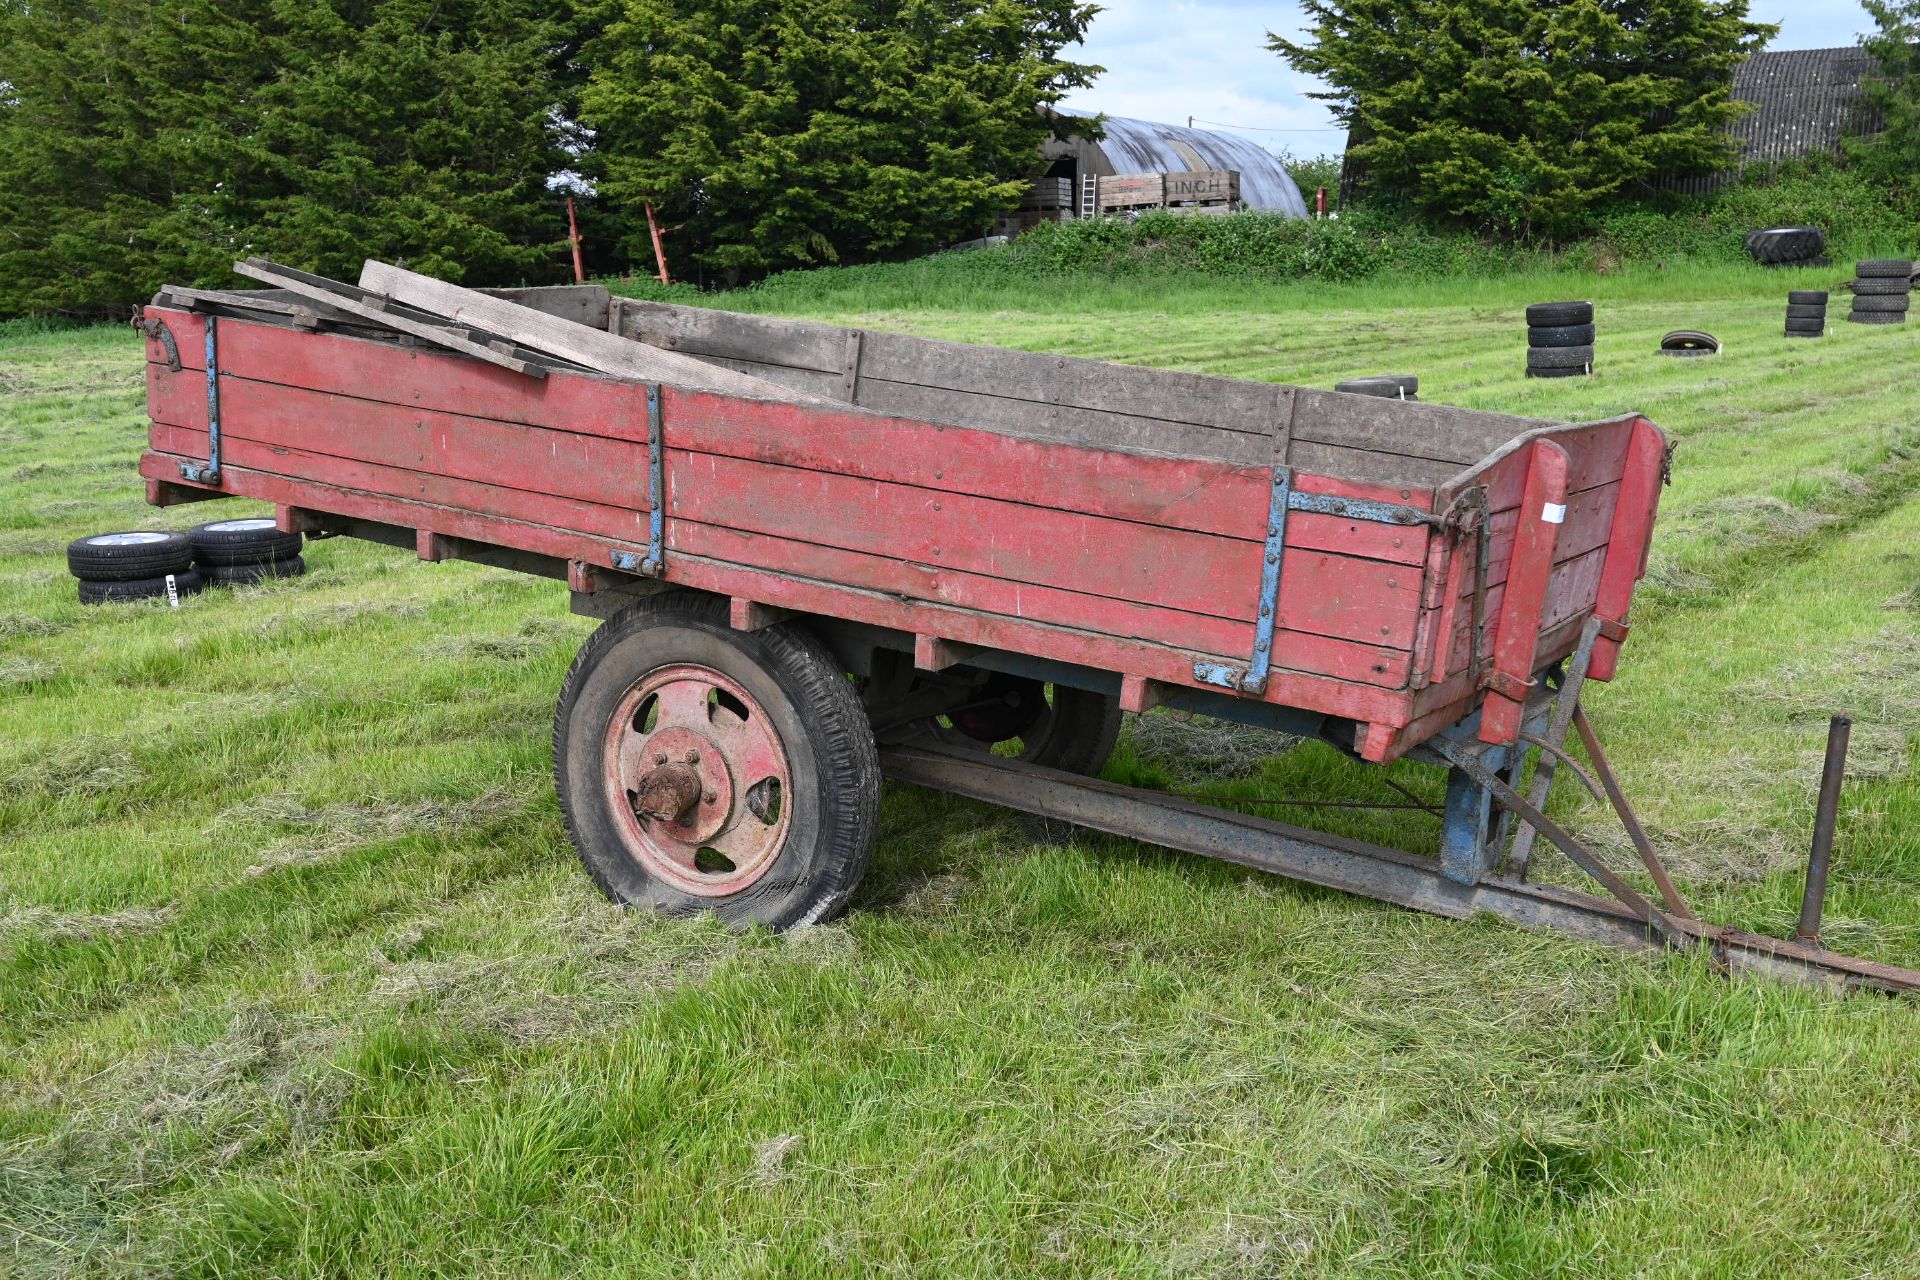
[702, 768]
[129, 556]
[252, 540]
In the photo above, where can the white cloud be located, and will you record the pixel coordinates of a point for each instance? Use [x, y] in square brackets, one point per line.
[1208, 59]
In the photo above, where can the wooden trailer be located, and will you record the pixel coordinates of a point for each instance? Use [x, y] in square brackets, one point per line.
[1004, 550]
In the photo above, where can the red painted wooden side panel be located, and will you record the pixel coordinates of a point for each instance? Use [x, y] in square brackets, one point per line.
[1214, 637]
[536, 459]
[1322, 594]
[1200, 496]
[1595, 453]
[1152, 661]
[1521, 611]
[1639, 501]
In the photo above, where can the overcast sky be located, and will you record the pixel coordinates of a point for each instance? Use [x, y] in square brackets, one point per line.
[1170, 59]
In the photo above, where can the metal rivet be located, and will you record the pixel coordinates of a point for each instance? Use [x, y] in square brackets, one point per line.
[1266, 610]
[936, 506]
[1273, 557]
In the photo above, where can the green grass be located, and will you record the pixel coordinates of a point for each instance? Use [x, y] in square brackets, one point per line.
[298, 976]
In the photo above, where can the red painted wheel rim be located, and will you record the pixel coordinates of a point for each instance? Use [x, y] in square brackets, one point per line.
[697, 718]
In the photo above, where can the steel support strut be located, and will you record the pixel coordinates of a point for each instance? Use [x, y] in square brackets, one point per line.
[655, 563]
[210, 473]
[1366, 870]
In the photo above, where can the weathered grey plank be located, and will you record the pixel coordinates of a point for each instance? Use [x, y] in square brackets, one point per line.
[1363, 466]
[580, 303]
[435, 334]
[826, 386]
[1228, 404]
[1060, 423]
[1416, 430]
[593, 348]
[799, 344]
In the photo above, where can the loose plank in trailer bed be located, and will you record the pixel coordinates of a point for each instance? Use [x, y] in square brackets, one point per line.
[1161, 554]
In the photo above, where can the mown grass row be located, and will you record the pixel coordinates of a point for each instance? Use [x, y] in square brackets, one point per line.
[297, 975]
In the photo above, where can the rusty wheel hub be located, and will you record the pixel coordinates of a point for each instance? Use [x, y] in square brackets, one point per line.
[700, 779]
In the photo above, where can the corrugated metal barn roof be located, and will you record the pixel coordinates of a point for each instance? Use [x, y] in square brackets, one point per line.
[1141, 146]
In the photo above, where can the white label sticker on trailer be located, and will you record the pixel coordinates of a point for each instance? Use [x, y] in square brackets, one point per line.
[1554, 512]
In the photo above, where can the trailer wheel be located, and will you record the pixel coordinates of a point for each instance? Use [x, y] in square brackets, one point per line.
[706, 769]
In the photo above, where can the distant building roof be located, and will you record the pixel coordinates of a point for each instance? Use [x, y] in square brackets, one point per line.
[1141, 146]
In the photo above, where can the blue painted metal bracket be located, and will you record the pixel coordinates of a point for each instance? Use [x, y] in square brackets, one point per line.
[655, 563]
[210, 473]
[1285, 498]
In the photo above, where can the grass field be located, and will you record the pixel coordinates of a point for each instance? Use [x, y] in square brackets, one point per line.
[298, 975]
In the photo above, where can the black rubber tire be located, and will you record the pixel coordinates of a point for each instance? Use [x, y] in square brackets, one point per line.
[250, 540]
[1558, 313]
[1578, 372]
[1882, 287]
[1877, 317]
[1559, 357]
[1895, 302]
[244, 575]
[186, 583]
[1559, 335]
[1806, 326]
[1778, 245]
[1393, 386]
[1806, 297]
[1689, 340]
[1077, 731]
[1884, 268]
[831, 758]
[1684, 352]
[129, 556]
[1815, 333]
[1807, 312]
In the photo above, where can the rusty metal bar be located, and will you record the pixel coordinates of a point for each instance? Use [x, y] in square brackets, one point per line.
[1353, 866]
[1813, 903]
[1649, 856]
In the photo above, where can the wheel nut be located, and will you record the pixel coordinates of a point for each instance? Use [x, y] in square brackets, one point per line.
[693, 757]
[659, 757]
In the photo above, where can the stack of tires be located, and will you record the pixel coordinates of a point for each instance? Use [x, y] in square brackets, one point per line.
[1559, 339]
[1788, 246]
[240, 552]
[1392, 386]
[1806, 313]
[1881, 289]
[133, 565]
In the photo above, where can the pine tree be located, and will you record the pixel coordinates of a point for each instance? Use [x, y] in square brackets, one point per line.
[1892, 95]
[152, 141]
[779, 133]
[1520, 115]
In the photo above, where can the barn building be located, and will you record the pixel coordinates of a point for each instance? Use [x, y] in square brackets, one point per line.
[1141, 146]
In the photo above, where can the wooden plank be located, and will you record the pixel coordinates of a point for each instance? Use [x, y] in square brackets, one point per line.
[1520, 616]
[1417, 430]
[621, 524]
[436, 334]
[382, 371]
[1323, 594]
[581, 344]
[1366, 467]
[798, 344]
[1370, 664]
[1178, 493]
[1128, 190]
[1201, 186]
[1638, 500]
[1161, 662]
[581, 303]
[510, 455]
